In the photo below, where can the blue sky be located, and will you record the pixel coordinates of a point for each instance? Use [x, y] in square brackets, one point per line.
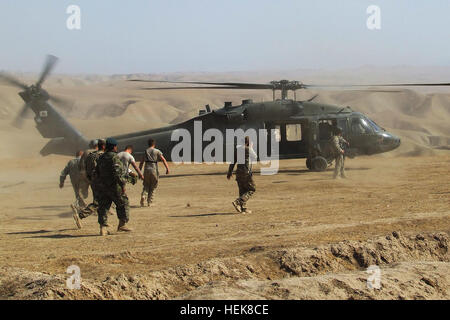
[119, 36]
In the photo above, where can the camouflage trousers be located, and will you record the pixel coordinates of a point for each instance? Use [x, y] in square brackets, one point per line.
[106, 197]
[339, 166]
[91, 208]
[80, 189]
[150, 184]
[246, 187]
[132, 178]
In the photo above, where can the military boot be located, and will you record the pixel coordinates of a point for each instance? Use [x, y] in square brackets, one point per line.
[245, 210]
[76, 216]
[104, 231]
[237, 205]
[122, 227]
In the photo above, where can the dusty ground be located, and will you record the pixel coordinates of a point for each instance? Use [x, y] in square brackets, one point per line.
[308, 237]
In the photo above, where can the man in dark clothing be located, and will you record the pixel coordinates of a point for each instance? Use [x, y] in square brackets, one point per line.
[244, 176]
[111, 177]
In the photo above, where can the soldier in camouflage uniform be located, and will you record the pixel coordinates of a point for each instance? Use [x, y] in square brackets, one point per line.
[244, 176]
[338, 152]
[89, 165]
[111, 177]
[93, 146]
[72, 169]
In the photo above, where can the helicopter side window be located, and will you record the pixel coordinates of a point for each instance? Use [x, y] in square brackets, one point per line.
[325, 129]
[294, 132]
[277, 133]
[361, 126]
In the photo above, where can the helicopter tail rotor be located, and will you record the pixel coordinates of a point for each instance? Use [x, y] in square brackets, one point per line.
[48, 67]
[35, 91]
[19, 119]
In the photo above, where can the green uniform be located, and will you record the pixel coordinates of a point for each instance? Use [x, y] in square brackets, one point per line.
[335, 144]
[80, 187]
[82, 164]
[110, 174]
[244, 176]
[90, 163]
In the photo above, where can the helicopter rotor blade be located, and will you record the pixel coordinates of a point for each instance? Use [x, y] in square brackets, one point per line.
[18, 120]
[222, 85]
[62, 103]
[205, 87]
[12, 81]
[49, 64]
[380, 85]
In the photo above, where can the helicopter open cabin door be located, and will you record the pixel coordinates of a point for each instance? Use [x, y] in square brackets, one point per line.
[290, 137]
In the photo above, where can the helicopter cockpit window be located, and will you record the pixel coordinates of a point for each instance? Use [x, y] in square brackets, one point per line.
[361, 126]
[294, 132]
[375, 127]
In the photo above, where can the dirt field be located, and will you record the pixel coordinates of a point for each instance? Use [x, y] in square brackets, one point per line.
[309, 236]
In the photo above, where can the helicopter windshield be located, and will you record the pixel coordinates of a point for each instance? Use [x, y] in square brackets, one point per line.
[375, 127]
[361, 126]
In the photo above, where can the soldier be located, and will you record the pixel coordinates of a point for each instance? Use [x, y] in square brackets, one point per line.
[72, 169]
[89, 165]
[110, 173]
[127, 159]
[93, 146]
[151, 174]
[244, 176]
[338, 152]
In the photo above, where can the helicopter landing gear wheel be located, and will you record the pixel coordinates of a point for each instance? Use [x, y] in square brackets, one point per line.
[319, 164]
[308, 163]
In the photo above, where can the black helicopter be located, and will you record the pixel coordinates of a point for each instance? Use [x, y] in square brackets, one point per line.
[302, 128]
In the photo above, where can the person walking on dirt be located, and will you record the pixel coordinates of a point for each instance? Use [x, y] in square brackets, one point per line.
[89, 165]
[151, 174]
[244, 175]
[79, 187]
[111, 182]
[128, 160]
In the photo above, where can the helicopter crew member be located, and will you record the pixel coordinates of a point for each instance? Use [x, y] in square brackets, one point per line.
[72, 169]
[90, 164]
[111, 179]
[338, 152]
[127, 159]
[151, 174]
[244, 176]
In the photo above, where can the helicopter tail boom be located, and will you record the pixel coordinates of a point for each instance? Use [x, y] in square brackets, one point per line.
[66, 139]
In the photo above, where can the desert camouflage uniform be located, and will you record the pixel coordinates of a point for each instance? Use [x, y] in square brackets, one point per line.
[111, 179]
[90, 164]
[78, 184]
[335, 143]
[244, 176]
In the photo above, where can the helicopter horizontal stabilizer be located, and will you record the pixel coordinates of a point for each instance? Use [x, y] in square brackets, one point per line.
[58, 146]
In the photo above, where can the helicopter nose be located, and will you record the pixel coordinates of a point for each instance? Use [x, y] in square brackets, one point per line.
[389, 142]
